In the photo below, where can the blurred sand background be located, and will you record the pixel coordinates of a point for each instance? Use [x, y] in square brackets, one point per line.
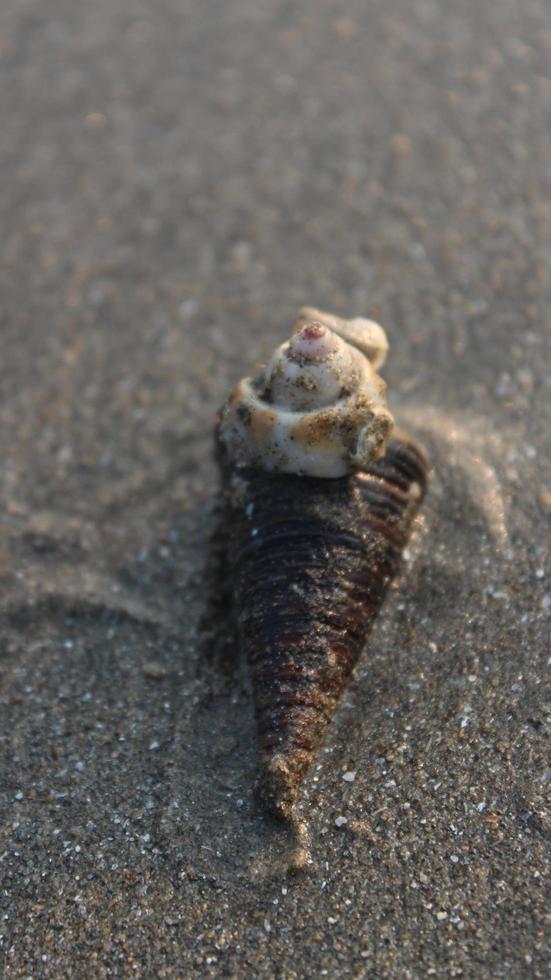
[177, 180]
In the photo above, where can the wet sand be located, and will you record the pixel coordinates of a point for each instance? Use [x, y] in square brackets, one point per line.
[176, 182]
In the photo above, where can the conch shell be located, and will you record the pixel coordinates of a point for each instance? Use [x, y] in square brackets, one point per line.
[318, 509]
[319, 407]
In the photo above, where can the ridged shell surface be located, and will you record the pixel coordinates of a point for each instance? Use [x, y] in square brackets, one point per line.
[310, 561]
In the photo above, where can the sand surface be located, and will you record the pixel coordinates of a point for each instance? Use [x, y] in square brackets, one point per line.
[177, 179]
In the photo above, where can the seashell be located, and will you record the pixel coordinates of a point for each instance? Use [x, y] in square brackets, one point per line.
[320, 502]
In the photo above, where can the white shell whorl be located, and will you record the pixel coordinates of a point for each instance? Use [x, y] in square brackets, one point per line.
[364, 334]
[318, 408]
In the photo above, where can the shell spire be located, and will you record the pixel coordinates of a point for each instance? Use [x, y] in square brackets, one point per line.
[319, 506]
[318, 408]
[368, 336]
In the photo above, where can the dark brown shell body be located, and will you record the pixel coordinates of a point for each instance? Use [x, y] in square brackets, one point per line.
[310, 561]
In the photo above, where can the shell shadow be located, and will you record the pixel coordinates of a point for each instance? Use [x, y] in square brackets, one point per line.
[222, 744]
[217, 631]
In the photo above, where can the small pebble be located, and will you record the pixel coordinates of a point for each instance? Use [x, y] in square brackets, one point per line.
[154, 671]
[187, 308]
[341, 822]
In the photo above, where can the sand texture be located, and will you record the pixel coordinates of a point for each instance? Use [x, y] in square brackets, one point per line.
[177, 180]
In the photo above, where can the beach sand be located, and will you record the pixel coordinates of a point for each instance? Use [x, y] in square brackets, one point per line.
[177, 180]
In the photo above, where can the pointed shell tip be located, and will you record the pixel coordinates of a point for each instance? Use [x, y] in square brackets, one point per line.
[277, 787]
